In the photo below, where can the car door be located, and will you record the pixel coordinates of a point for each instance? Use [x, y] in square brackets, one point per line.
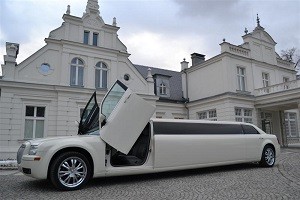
[254, 141]
[89, 121]
[126, 115]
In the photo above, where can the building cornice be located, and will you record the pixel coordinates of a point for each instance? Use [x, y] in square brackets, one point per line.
[111, 27]
[289, 95]
[208, 62]
[170, 104]
[79, 21]
[47, 87]
[61, 88]
[166, 100]
[90, 47]
[251, 35]
[223, 96]
[72, 19]
[220, 56]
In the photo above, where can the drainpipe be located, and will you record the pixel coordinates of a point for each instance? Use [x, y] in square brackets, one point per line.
[185, 94]
[187, 109]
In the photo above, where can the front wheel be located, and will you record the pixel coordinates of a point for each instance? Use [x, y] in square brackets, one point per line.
[267, 157]
[70, 171]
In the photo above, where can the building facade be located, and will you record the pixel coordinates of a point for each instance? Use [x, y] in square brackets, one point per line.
[45, 94]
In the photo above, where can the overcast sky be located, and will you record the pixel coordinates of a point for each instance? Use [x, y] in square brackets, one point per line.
[158, 33]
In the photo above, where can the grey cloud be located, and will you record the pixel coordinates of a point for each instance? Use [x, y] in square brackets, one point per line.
[205, 8]
[214, 18]
[11, 26]
[19, 24]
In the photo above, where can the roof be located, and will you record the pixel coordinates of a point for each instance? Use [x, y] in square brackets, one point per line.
[175, 80]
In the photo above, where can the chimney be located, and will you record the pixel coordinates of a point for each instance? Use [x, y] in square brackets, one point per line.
[10, 61]
[184, 65]
[150, 81]
[12, 51]
[197, 58]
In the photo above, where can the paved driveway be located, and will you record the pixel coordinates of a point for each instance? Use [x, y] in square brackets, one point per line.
[230, 182]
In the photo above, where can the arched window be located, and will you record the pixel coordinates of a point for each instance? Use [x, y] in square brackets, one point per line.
[162, 89]
[100, 75]
[76, 72]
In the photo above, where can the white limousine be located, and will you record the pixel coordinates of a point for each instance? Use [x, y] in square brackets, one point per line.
[129, 142]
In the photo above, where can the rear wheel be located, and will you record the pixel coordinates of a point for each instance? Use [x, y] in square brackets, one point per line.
[268, 157]
[70, 171]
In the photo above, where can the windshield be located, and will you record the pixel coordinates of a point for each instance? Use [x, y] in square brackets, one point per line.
[112, 99]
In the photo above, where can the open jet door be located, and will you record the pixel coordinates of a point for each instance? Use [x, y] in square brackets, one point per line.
[126, 116]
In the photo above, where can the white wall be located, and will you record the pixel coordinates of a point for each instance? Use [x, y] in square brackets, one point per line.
[168, 110]
[206, 81]
[225, 108]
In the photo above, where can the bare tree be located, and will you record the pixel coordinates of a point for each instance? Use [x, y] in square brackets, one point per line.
[292, 55]
[288, 54]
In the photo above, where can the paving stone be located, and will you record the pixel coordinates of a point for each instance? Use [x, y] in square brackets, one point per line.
[246, 181]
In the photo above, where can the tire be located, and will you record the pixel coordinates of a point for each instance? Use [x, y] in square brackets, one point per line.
[268, 157]
[70, 171]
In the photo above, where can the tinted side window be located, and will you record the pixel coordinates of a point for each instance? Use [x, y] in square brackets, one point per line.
[249, 129]
[170, 128]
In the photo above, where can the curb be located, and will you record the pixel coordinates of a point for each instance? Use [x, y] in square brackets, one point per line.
[8, 165]
[8, 168]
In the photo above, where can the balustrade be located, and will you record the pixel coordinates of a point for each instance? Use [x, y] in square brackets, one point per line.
[239, 50]
[277, 88]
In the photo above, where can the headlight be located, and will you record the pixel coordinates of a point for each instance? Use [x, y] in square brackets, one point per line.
[33, 149]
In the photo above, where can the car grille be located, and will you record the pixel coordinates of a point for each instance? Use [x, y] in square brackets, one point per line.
[20, 153]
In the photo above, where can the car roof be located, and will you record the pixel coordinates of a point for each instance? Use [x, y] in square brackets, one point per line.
[196, 121]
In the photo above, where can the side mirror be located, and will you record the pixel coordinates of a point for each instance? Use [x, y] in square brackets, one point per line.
[102, 119]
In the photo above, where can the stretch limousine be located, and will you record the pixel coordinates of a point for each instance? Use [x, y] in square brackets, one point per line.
[122, 139]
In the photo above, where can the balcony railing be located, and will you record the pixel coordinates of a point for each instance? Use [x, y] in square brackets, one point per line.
[227, 47]
[277, 88]
[239, 50]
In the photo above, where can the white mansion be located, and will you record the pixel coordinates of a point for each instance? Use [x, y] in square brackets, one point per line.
[43, 95]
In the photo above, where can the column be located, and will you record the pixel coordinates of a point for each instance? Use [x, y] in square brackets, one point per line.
[258, 118]
[283, 140]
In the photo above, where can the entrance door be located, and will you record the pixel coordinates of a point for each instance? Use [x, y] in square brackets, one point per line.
[267, 123]
[266, 126]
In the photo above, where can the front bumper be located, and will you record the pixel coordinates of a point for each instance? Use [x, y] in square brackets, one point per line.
[33, 166]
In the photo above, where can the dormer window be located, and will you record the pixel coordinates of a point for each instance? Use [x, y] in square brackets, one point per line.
[162, 85]
[162, 89]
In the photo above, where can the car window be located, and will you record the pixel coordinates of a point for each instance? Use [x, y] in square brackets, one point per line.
[249, 129]
[171, 128]
[112, 98]
[89, 121]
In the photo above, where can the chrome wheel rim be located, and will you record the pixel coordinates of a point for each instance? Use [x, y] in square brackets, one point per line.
[269, 156]
[72, 172]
